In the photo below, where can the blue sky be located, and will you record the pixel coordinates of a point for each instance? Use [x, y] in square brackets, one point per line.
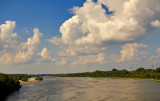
[45, 15]
[78, 35]
[29, 14]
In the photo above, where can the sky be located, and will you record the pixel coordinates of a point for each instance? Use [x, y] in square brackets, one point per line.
[65, 36]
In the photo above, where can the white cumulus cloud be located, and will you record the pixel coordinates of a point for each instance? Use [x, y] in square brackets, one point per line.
[91, 30]
[158, 51]
[9, 40]
[83, 60]
[46, 55]
[133, 52]
[156, 23]
[155, 59]
[27, 50]
[12, 50]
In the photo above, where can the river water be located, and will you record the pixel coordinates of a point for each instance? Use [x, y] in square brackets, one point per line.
[88, 89]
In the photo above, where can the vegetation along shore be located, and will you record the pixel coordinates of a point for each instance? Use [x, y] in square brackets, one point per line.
[140, 73]
[10, 83]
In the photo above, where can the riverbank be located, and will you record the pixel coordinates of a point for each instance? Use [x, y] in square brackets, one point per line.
[8, 84]
[33, 80]
[140, 73]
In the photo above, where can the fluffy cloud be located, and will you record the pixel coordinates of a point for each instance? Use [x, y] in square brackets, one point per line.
[9, 41]
[7, 29]
[158, 51]
[27, 50]
[62, 61]
[155, 59]
[11, 50]
[46, 55]
[83, 60]
[5, 59]
[156, 23]
[133, 52]
[91, 30]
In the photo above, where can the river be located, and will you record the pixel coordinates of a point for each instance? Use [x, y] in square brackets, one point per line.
[88, 89]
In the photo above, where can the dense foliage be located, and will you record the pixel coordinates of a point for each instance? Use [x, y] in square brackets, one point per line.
[8, 84]
[39, 78]
[23, 77]
[139, 73]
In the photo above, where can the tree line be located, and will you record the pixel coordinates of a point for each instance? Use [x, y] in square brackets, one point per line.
[10, 83]
[138, 73]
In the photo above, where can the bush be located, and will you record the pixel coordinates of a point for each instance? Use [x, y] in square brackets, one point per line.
[114, 70]
[141, 69]
[158, 70]
[24, 79]
[39, 78]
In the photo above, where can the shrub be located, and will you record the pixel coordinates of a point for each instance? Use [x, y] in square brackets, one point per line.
[158, 70]
[39, 78]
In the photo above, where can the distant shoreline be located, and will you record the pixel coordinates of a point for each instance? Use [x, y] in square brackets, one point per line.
[140, 73]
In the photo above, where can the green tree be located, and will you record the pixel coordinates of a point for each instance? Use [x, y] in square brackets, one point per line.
[114, 70]
[39, 78]
[158, 70]
[8, 84]
[24, 78]
[141, 69]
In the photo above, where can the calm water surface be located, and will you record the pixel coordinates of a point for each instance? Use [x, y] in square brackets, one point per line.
[89, 89]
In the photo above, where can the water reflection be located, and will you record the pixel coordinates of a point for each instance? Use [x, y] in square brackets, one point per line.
[89, 89]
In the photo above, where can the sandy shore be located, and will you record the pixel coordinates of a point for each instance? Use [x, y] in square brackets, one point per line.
[49, 79]
[33, 80]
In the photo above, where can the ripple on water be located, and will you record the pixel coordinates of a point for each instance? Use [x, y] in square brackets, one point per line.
[89, 89]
